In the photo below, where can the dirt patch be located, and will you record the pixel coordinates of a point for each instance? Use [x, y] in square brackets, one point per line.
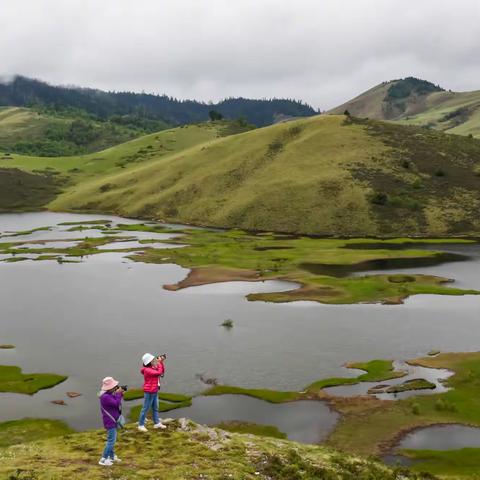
[206, 275]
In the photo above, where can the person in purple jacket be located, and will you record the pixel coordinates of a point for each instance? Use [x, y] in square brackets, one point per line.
[111, 396]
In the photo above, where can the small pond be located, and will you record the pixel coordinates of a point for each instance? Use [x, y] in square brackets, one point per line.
[303, 421]
[441, 437]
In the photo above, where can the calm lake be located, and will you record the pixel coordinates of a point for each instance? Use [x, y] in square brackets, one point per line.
[96, 318]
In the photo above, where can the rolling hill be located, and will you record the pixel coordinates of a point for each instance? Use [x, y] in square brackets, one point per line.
[418, 102]
[323, 175]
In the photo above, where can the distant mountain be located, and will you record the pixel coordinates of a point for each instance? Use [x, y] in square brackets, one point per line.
[25, 92]
[390, 100]
[418, 102]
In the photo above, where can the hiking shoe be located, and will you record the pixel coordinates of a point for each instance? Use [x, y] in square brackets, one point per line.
[141, 428]
[160, 425]
[106, 462]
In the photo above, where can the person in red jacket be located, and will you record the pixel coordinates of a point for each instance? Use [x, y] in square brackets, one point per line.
[153, 368]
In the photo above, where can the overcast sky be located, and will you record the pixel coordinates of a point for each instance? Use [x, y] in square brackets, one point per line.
[320, 51]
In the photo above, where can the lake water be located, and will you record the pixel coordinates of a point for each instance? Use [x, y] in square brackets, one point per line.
[441, 437]
[96, 318]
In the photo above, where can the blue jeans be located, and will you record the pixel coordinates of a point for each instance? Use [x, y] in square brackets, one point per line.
[150, 401]
[111, 438]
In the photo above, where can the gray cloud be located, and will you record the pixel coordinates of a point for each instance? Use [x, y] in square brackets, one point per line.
[321, 51]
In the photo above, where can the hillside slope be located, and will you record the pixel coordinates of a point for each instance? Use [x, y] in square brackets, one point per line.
[326, 175]
[188, 451]
[122, 157]
[417, 102]
[28, 182]
[46, 132]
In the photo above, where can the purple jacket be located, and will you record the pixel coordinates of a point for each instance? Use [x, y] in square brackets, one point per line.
[111, 402]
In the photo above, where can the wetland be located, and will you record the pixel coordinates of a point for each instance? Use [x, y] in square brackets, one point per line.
[102, 290]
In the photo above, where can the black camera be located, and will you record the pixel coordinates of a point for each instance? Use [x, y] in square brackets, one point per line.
[163, 355]
[123, 387]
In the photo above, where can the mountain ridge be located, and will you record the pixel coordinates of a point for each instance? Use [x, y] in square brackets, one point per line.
[23, 92]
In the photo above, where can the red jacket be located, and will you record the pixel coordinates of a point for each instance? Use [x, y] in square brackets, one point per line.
[151, 377]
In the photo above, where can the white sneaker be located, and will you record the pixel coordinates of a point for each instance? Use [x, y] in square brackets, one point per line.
[116, 459]
[106, 462]
[160, 425]
[141, 428]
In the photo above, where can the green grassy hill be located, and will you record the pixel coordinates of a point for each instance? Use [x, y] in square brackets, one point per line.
[46, 132]
[417, 102]
[187, 451]
[326, 175]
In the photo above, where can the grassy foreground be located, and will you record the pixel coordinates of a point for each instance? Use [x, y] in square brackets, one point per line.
[187, 451]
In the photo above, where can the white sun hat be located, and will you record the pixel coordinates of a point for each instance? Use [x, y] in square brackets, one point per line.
[147, 358]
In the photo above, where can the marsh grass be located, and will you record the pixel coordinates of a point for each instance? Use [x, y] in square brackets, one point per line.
[13, 380]
[260, 257]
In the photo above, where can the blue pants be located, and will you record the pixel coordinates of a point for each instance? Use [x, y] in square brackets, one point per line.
[111, 438]
[150, 401]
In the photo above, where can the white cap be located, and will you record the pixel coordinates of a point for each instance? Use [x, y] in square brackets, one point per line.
[147, 358]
